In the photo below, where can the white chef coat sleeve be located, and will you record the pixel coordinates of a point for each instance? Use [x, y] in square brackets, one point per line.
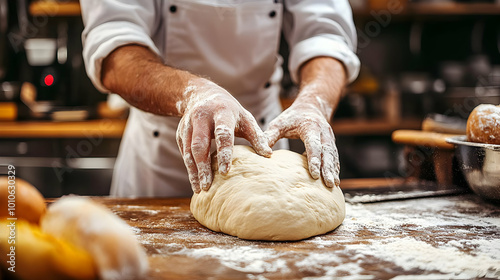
[320, 28]
[110, 24]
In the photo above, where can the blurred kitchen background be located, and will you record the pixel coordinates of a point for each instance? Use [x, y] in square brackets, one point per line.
[420, 59]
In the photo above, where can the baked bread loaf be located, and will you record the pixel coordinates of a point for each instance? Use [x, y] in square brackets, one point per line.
[27, 202]
[37, 255]
[483, 124]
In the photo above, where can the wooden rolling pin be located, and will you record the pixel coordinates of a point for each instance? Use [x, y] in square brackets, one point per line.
[422, 138]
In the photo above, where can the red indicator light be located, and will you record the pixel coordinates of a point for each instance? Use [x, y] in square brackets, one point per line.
[48, 80]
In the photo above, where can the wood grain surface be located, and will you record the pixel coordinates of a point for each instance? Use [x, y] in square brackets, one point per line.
[107, 128]
[412, 238]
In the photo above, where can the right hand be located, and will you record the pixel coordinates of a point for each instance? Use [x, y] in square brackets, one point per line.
[210, 112]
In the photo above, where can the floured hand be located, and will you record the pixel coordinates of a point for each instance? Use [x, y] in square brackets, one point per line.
[210, 112]
[322, 80]
[307, 121]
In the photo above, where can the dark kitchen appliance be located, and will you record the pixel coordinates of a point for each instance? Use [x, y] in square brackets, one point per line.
[4, 22]
[45, 50]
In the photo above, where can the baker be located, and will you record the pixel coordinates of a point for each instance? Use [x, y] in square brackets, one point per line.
[195, 71]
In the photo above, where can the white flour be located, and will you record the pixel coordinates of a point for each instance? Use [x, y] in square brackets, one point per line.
[396, 214]
[151, 212]
[329, 264]
[489, 116]
[448, 256]
[410, 253]
[244, 258]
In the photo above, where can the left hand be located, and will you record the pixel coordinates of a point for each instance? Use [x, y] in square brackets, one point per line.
[307, 121]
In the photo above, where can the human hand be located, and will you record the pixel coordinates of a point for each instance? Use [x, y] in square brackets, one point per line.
[307, 122]
[210, 112]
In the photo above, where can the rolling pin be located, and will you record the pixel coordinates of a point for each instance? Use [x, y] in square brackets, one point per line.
[423, 138]
[442, 155]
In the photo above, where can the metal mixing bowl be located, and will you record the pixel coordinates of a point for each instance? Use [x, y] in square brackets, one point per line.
[480, 164]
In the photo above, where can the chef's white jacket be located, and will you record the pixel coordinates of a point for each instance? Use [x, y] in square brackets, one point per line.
[234, 42]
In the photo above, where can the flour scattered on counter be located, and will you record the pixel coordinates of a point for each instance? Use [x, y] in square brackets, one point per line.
[138, 207]
[242, 258]
[396, 215]
[409, 253]
[426, 277]
[150, 238]
[448, 238]
[490, 247]
[256, 277]
[329, 264]
[320, 242]
[135, 230]
[151, 212]
[449, 254]
[131, 206]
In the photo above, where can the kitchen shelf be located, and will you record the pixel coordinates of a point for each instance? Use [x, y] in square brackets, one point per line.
[54, 8]
[106, 128]
[437, 9]
[113, 128]
[372, 127]
[454, 9]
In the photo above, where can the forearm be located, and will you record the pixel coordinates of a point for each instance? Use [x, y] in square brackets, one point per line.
[140, 77]
[322, 81]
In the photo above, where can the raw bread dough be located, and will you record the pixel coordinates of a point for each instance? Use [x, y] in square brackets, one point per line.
[268, 199]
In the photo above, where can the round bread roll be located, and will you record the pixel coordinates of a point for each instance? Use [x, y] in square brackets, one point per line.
[25, 200]
[483, 124]
[108, 239]
[37, 255]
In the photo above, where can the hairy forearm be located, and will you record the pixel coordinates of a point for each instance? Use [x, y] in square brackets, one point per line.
[139, 76]
[322, 81]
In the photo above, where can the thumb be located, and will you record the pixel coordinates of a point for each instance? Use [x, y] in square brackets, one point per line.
[250, 130]
[273, 135]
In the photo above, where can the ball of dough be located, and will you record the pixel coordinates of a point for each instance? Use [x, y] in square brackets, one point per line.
[483, 124]
[27, 201]
[93, 227]
[268, 199]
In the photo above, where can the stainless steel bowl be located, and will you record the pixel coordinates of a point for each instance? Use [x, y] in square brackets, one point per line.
[480, 164]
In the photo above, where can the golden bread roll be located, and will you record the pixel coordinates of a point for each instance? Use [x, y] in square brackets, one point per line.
[37, 255]
[25, 200]
[483, 124]
[93, 227]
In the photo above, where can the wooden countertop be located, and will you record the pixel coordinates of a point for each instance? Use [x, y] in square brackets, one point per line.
[439, 238]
